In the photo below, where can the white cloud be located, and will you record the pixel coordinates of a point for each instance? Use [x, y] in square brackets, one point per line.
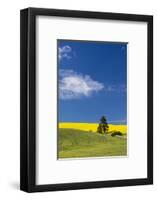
[73, 85]
[64, 52]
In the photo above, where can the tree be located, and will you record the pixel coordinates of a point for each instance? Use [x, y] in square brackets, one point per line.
[103, 126]
[99, 129]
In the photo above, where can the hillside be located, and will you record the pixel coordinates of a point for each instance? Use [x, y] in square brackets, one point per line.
[76, 144]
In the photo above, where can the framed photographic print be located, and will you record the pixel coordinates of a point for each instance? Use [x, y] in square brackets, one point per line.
[86, 100]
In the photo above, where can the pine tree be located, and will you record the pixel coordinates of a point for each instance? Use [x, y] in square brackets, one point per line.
[103, 126]
[99, 129]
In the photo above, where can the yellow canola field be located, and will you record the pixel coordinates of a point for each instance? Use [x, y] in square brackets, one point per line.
[92, 127]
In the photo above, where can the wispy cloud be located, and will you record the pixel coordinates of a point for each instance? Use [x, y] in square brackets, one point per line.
[121, 121]
[64, 52]
[116, 88]
[73, 85]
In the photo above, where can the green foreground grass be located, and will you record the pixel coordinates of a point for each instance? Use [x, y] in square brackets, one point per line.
[79, 144]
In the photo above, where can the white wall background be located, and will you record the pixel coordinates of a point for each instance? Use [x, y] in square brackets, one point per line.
[10, 98]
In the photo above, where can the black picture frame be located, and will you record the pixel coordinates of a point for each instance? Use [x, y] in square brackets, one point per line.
[28, 99]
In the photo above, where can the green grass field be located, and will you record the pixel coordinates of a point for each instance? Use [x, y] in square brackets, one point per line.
[79, 144]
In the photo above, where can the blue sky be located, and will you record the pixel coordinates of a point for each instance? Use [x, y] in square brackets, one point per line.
[92, 81]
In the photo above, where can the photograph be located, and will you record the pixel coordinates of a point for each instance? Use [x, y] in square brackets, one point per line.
[92, 99]
[86, 99]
